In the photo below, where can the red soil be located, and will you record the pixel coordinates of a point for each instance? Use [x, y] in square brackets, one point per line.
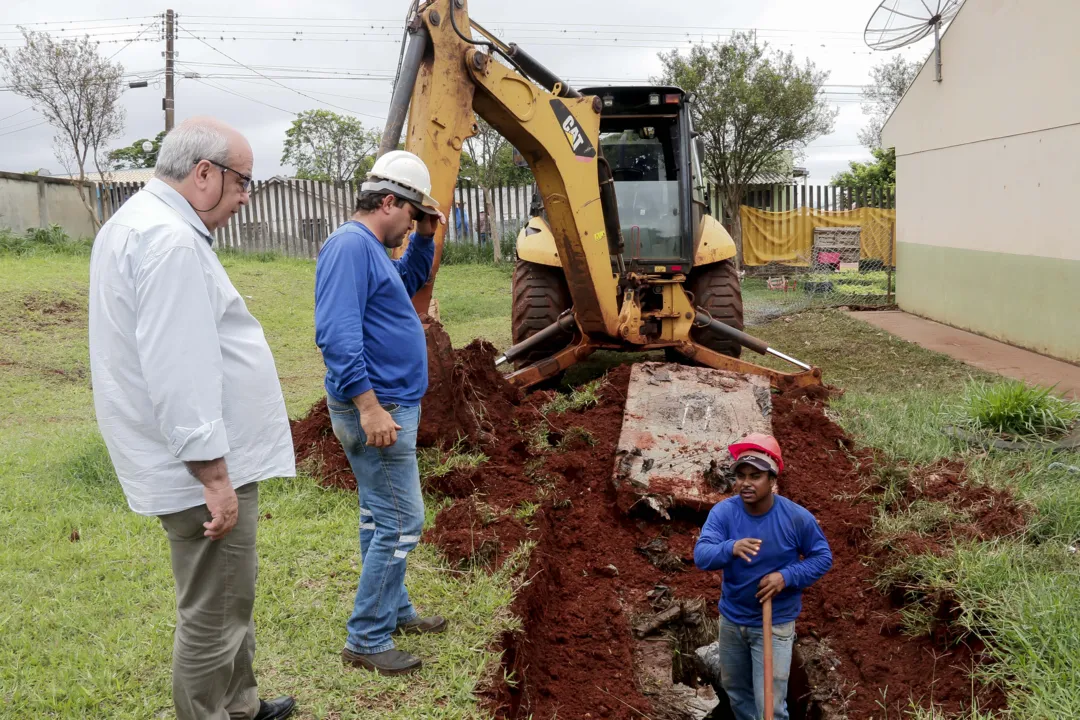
[589, 574]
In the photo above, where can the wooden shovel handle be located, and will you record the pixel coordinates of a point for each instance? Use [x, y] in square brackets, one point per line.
[766, 626]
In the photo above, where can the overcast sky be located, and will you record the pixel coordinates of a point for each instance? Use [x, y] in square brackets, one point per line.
[264, 62]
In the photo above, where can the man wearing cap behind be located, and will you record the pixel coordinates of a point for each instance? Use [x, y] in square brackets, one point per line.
[376, 373]
[768, 547]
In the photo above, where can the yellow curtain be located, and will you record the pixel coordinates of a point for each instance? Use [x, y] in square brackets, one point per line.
[788, 237]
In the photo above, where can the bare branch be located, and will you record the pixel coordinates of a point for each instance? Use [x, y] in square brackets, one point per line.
[78, 92]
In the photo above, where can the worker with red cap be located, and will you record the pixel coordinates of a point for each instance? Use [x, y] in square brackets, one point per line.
[768, 547]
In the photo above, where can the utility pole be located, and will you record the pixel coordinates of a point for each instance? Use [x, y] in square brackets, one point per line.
[169, 103]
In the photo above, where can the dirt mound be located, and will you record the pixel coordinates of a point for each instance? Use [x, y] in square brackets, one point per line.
[467, 399]
[319, 450]
[470, 532]
[596, 570]
[945, 507]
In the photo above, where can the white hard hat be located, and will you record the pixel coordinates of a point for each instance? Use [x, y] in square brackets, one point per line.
[405, 175]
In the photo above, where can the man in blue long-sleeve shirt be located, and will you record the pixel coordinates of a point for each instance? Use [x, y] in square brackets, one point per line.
[376, 373]
[769, 548]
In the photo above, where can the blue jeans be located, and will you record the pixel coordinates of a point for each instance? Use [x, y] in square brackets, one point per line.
[391, 520]
[742, 668]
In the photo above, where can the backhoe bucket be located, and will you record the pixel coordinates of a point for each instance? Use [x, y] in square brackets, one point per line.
[677, 425]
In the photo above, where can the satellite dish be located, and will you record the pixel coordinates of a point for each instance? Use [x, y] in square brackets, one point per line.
[898, 23]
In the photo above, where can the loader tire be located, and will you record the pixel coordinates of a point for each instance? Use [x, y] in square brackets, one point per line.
[717, 289]
[540, 294]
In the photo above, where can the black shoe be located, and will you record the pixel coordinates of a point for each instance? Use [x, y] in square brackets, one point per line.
[388, 662]
[278, 709]
[421, 626]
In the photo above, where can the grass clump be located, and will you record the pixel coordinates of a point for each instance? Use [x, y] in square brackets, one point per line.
[1014, 409]
[580, 398]
[435, 462]
[922, 518]
[43, 241]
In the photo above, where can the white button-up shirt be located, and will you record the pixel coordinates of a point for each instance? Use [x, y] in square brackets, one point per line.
[181, 370]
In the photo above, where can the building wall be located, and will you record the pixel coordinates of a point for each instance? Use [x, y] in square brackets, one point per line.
[29, 201]
[988, 238]
[18, 204]
[65, 208]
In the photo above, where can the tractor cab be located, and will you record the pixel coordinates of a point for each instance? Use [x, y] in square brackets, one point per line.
[646, 138]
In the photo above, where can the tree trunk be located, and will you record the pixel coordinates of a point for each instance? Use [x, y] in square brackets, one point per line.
[489, 221]
[733, 202]
[84, 195]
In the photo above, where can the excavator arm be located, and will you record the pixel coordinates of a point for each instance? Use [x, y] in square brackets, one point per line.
[446, 77]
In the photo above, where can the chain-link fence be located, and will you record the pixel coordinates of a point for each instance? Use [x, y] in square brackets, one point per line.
[820, 246]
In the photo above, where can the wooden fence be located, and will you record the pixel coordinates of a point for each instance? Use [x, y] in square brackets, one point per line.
[294, 217]
[819, 197]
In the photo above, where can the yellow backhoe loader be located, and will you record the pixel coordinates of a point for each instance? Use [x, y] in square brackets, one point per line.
[620, 254]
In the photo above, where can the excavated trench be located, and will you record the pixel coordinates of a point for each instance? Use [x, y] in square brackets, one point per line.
[595, 641]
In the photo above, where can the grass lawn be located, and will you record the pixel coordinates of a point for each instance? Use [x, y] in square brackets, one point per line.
[86, 625]
[1019, 594]
[86, 602]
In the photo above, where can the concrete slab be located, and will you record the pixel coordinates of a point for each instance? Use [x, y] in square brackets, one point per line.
[677, 425]
[978, 351]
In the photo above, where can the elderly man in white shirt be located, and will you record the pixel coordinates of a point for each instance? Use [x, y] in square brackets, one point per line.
[190, 406]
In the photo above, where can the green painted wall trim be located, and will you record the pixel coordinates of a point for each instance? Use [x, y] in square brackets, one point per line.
[1031, 302]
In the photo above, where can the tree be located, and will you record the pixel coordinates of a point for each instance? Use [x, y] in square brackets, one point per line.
[78, 92]
[881, 173]
[325, 146]
[133, 156]
[488, 161]
[750, 104]
[861, 175]
[890, 79]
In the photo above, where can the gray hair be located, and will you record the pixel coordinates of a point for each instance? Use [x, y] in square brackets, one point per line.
[186, 145]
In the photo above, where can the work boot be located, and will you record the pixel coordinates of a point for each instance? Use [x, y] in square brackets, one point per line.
[388, 662]
[422, 626]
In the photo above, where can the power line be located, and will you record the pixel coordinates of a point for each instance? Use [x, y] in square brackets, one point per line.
[575, 44]
[239, 76]
[21, 123]
[12, 132]
[148, 26]
[17, 113]
[73, 22]
[537, 33]
[232, 92]
[126, 77]
[76, 34]
[497, 23]
[220, 52]
[313, 92]
[346, 73]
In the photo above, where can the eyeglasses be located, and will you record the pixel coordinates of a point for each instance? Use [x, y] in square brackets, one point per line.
[245, 179]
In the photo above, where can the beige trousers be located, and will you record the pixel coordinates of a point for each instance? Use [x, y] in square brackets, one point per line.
[214, 643]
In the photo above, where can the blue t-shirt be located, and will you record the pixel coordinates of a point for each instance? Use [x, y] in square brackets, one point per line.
[365, 325]
[787, 531]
